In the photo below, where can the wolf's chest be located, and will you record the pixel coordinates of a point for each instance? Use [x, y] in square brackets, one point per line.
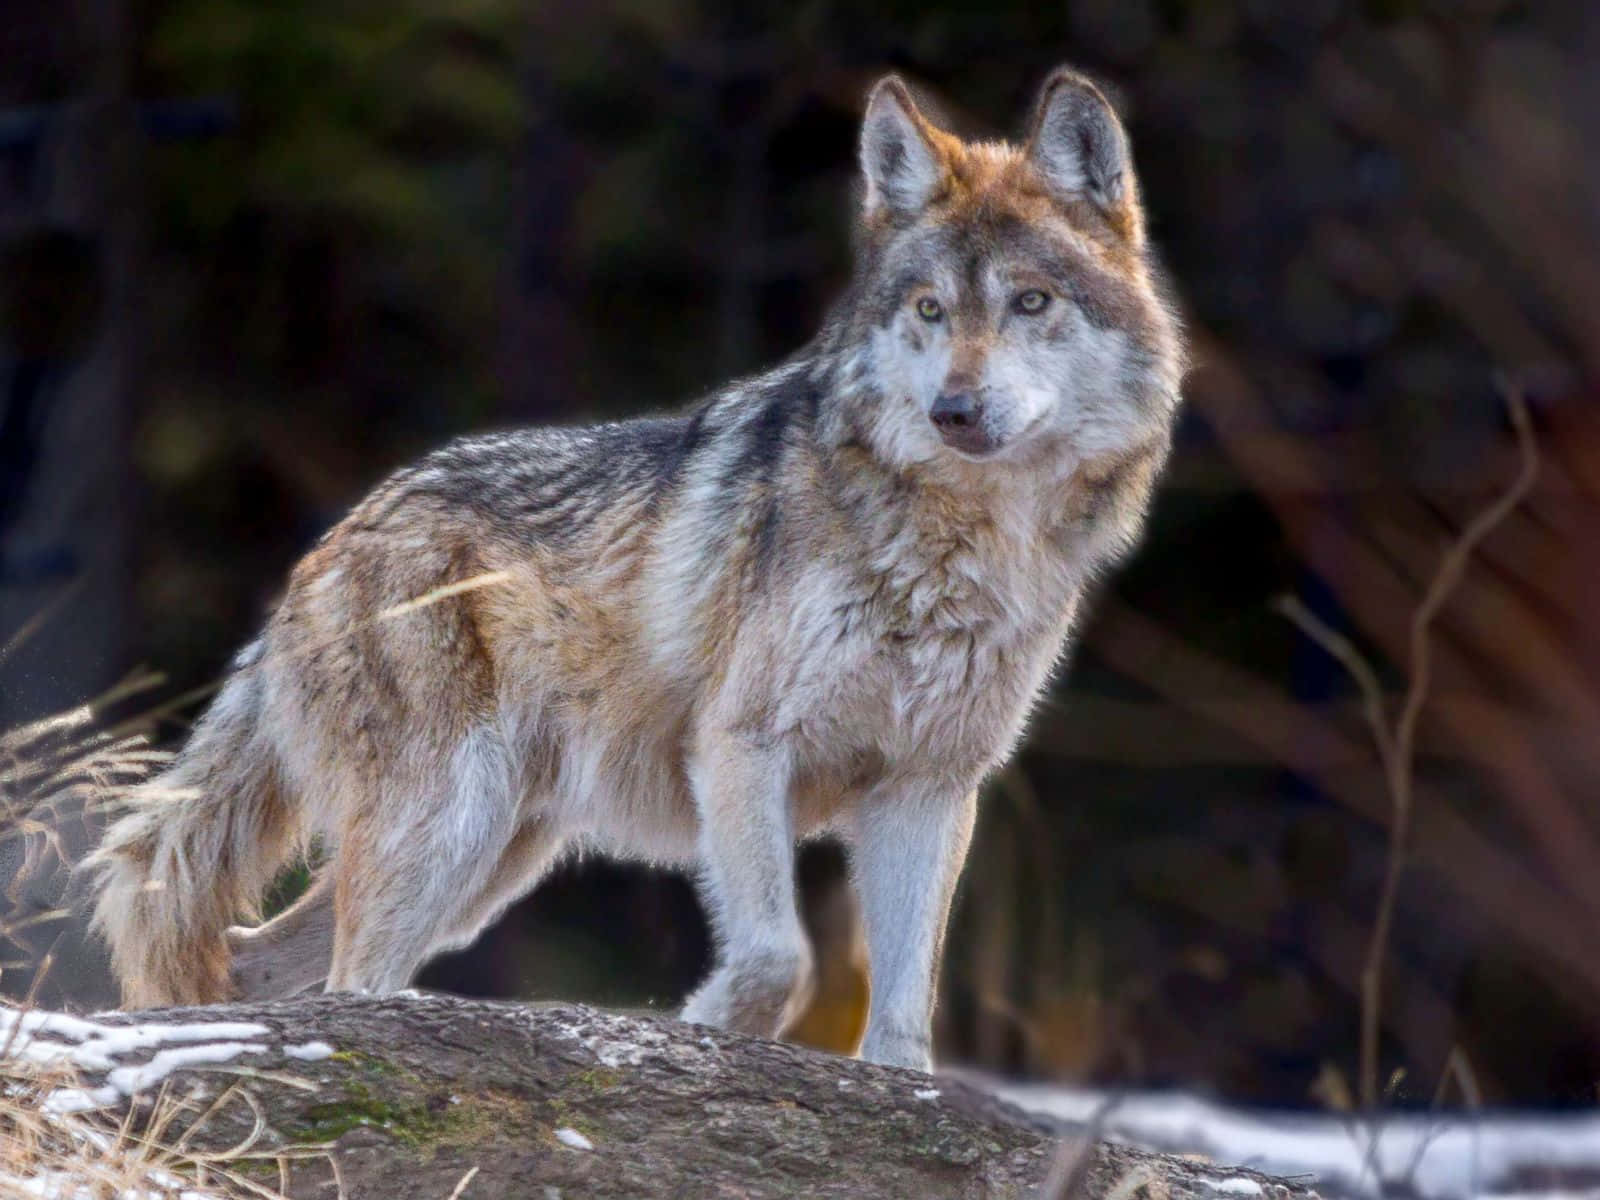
[938, 673]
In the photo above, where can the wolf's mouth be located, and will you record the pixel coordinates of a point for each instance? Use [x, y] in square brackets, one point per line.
[974, 441]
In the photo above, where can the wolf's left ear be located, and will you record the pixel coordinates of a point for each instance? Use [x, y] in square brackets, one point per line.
[1082, 151]
[900, 160]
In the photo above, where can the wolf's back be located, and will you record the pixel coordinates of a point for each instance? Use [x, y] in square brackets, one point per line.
[198, 847]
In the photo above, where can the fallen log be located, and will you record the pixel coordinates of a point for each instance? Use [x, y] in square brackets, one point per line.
[416, 1096]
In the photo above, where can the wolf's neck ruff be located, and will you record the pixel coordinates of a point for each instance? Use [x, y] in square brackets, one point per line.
[824, 599]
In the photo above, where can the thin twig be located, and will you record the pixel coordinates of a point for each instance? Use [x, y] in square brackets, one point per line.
[41, 618]
[462, 1185]
[1069, 1169]
[429, 598]
[1400, 775]
[1397, 750]
[1343, 649]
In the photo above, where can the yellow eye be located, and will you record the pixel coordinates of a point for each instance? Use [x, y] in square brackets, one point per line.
[929, 309]
[1032, 301]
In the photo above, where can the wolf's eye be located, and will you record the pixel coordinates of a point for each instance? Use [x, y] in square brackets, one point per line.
[1032, 302]
[929, 309]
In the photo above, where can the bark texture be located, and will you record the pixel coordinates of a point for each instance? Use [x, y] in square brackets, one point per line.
[411, 1092]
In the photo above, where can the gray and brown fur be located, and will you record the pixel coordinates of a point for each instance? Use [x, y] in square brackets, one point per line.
[802, 606]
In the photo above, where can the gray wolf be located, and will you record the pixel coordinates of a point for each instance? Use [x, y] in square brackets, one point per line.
[823, 599]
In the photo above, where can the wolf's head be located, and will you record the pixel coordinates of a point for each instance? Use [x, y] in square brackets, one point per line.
[1003, 294]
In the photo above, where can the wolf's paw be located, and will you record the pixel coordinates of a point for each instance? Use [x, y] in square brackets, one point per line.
[897, 1048]
[758, 995]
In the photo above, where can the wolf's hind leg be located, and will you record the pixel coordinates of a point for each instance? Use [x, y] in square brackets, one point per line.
[289, 953]
[413, 861]
[294, 950]
[763, 968]
[524, 863]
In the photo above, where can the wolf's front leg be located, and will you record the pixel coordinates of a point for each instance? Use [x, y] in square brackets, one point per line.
[763, 971]
[910, 841]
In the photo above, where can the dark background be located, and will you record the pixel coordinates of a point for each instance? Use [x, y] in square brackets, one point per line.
[256, 253]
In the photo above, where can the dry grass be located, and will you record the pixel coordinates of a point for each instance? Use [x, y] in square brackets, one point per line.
[74, 767]
[147, 1152]
[74, 760]
[60, 777]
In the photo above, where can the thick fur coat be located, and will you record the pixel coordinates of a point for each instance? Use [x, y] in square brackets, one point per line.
[823, 599]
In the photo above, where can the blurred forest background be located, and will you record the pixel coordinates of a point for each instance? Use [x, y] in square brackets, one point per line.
[256, 253]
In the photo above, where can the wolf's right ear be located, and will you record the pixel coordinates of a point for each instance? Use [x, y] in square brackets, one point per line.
[900, 160]
[1081, 149]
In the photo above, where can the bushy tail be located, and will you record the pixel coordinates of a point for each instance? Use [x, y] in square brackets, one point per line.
[195, 852]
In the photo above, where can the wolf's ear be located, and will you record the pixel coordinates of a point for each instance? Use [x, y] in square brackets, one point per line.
[900, 160]
[1080, 148]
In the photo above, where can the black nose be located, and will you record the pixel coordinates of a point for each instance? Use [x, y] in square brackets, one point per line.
[955, 410]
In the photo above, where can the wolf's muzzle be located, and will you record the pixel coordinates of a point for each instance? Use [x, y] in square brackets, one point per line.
[959, 418]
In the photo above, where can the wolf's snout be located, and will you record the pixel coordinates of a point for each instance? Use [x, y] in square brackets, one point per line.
[959, 418]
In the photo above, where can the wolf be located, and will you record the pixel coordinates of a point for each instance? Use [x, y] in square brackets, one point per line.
[821, 600]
